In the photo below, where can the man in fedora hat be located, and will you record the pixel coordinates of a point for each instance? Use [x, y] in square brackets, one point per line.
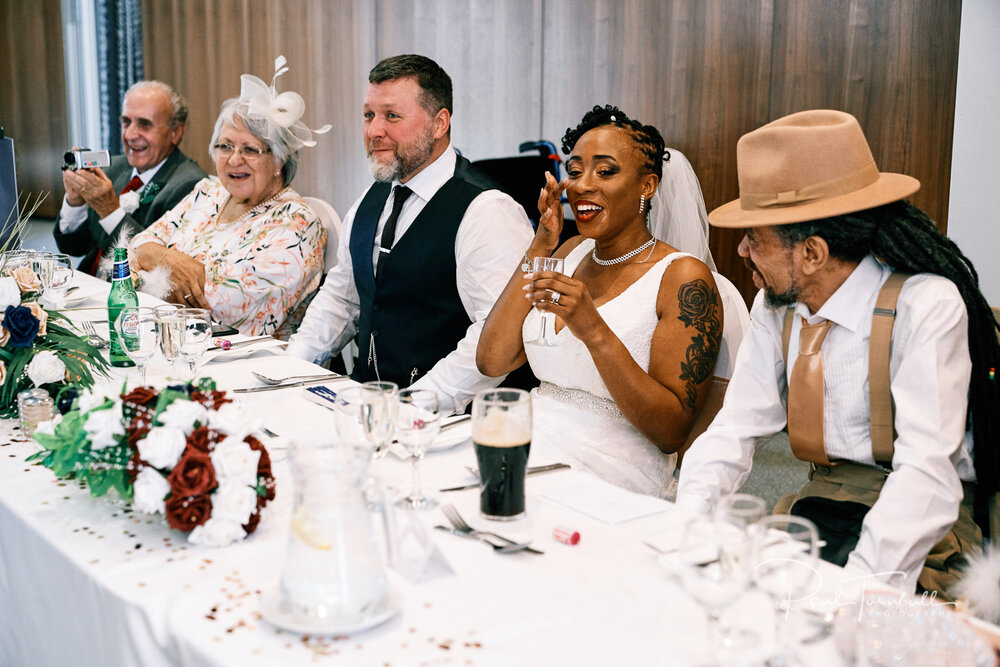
[871, 342]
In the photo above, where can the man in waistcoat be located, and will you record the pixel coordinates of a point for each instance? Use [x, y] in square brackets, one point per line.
[102, 208]
[423, 254]
[882, 378]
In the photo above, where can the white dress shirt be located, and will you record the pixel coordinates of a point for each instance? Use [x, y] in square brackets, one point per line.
[71, 217]
[490, 243]
[929, 369]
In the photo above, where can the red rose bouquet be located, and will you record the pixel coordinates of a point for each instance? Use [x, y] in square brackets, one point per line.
[185, 452]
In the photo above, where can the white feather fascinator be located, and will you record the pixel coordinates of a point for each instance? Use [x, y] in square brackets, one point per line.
[281, 112]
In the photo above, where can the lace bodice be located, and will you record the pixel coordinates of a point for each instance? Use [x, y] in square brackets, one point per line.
[631, 316]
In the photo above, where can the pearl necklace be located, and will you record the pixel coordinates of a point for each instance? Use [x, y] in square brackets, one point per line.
[246, 215]
[626, 256]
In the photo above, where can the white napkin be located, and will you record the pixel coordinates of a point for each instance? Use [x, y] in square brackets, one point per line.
[603, 501]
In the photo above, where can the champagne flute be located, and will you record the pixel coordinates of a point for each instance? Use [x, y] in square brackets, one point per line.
[196, 333]
[136, 327]
[359, 412]
[787, 550]
[418, 422]
[168, 331]
[380, 431]
[547, 318]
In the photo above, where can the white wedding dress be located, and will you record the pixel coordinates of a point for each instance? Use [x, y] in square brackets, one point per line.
[575, 419]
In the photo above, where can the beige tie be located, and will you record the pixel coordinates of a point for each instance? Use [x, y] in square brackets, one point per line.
[805, 395]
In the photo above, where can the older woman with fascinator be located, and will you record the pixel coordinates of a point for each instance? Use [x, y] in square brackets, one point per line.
[638, 324]
[243, 244]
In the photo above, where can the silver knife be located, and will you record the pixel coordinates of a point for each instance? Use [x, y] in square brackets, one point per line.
[455, 422]
[461, 533]
[529, 471]
[242, 343]
[300, 383]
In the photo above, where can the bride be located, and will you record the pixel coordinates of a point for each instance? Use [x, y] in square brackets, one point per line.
[638, 323]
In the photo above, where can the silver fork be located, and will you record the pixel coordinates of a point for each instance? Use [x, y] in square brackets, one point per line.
[91, 333]
[456, 520]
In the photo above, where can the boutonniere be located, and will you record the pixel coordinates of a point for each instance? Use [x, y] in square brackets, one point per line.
[149, 193]
[129, 201]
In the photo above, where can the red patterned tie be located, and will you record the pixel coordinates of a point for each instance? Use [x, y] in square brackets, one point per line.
[134, 184]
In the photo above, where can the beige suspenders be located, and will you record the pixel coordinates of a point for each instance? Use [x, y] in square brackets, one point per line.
[883, 432]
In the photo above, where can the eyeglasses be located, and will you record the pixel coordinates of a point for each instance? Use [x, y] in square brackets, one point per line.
[248, 153]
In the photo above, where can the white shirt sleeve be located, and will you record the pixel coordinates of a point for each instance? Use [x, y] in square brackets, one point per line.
[930, 381]
[489, 245]
[719, 461]
[111, 221]
[71, 217]
[331, 320]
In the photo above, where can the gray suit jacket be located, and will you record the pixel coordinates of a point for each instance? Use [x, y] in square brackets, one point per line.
[176, 178]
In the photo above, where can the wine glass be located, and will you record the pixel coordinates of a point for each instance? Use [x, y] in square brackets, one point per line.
[787, 550]
[418, 422]
[195, 335]
[547, 318]
[741, 509]
[380, 431]
[714, 562]
[136, 327]
[62, 273]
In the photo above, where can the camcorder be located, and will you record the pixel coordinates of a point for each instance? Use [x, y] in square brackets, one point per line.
[84, 158]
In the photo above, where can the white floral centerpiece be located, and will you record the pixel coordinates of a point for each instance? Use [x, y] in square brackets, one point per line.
[185, 452]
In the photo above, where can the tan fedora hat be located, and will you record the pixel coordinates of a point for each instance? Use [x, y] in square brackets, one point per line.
[807, 166]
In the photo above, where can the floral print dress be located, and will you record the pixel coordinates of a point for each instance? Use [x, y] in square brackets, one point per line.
[257, 268]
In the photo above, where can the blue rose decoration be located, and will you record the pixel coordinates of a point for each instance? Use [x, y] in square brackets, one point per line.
[22, 325]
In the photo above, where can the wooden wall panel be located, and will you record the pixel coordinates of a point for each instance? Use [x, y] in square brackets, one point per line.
[33, 96]
[497, 99]
[698, 71]
[891, 63]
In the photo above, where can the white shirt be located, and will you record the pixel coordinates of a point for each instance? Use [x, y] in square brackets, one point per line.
[71, 217]
[929, 369]
[490, 243]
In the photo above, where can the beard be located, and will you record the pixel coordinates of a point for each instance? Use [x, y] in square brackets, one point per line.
[406, 158]
[773, 299]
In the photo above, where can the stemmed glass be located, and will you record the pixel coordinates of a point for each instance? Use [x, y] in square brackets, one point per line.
[362, 416]
[714, 562]
[380, 431]
[169, 327]
[418, 422]
[62, 273]
[136, 327]
[547, 318]
[196, 333]
[741, 509]
[787, 550]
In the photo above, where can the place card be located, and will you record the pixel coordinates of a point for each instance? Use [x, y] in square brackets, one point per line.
[604, 501]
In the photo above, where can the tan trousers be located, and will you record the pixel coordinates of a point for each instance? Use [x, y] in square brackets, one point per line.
[862, 484]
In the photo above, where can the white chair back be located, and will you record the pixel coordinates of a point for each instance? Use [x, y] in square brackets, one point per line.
[328, 216]
[737, 322]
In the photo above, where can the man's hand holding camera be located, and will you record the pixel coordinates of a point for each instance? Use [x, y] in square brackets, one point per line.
[93, 188]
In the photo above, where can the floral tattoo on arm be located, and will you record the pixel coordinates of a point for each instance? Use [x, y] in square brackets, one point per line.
[699, 308]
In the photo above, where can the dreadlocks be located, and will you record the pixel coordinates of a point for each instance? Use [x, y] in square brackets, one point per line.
[904, 237]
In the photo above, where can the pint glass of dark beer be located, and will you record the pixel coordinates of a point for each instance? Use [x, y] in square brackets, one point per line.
[501, 431]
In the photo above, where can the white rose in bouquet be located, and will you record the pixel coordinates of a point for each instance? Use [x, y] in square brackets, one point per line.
[102, 426]
[162, 447]
[95, 396]
[183, 415]
[46, 367]
[150, 489]
[217, 533]
[234, 501]
[232, 420]
[10, 294]
[47, 427]
[235, 462]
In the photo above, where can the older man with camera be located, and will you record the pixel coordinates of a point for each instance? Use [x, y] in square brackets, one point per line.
[101, 208]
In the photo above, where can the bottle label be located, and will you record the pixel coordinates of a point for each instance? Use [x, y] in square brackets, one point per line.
[130, 324]
[121, 271]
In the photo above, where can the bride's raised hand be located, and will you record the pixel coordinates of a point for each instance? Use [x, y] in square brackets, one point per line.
[551, 222]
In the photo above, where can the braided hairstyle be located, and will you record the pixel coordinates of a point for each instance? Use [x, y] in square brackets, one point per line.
[905, 238]
[647, 138]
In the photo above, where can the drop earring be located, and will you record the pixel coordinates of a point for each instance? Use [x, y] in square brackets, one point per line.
[642, 203]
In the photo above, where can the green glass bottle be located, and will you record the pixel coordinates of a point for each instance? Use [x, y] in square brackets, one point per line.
[122, 295]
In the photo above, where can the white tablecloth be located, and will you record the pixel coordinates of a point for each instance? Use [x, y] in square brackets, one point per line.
[86, 581]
